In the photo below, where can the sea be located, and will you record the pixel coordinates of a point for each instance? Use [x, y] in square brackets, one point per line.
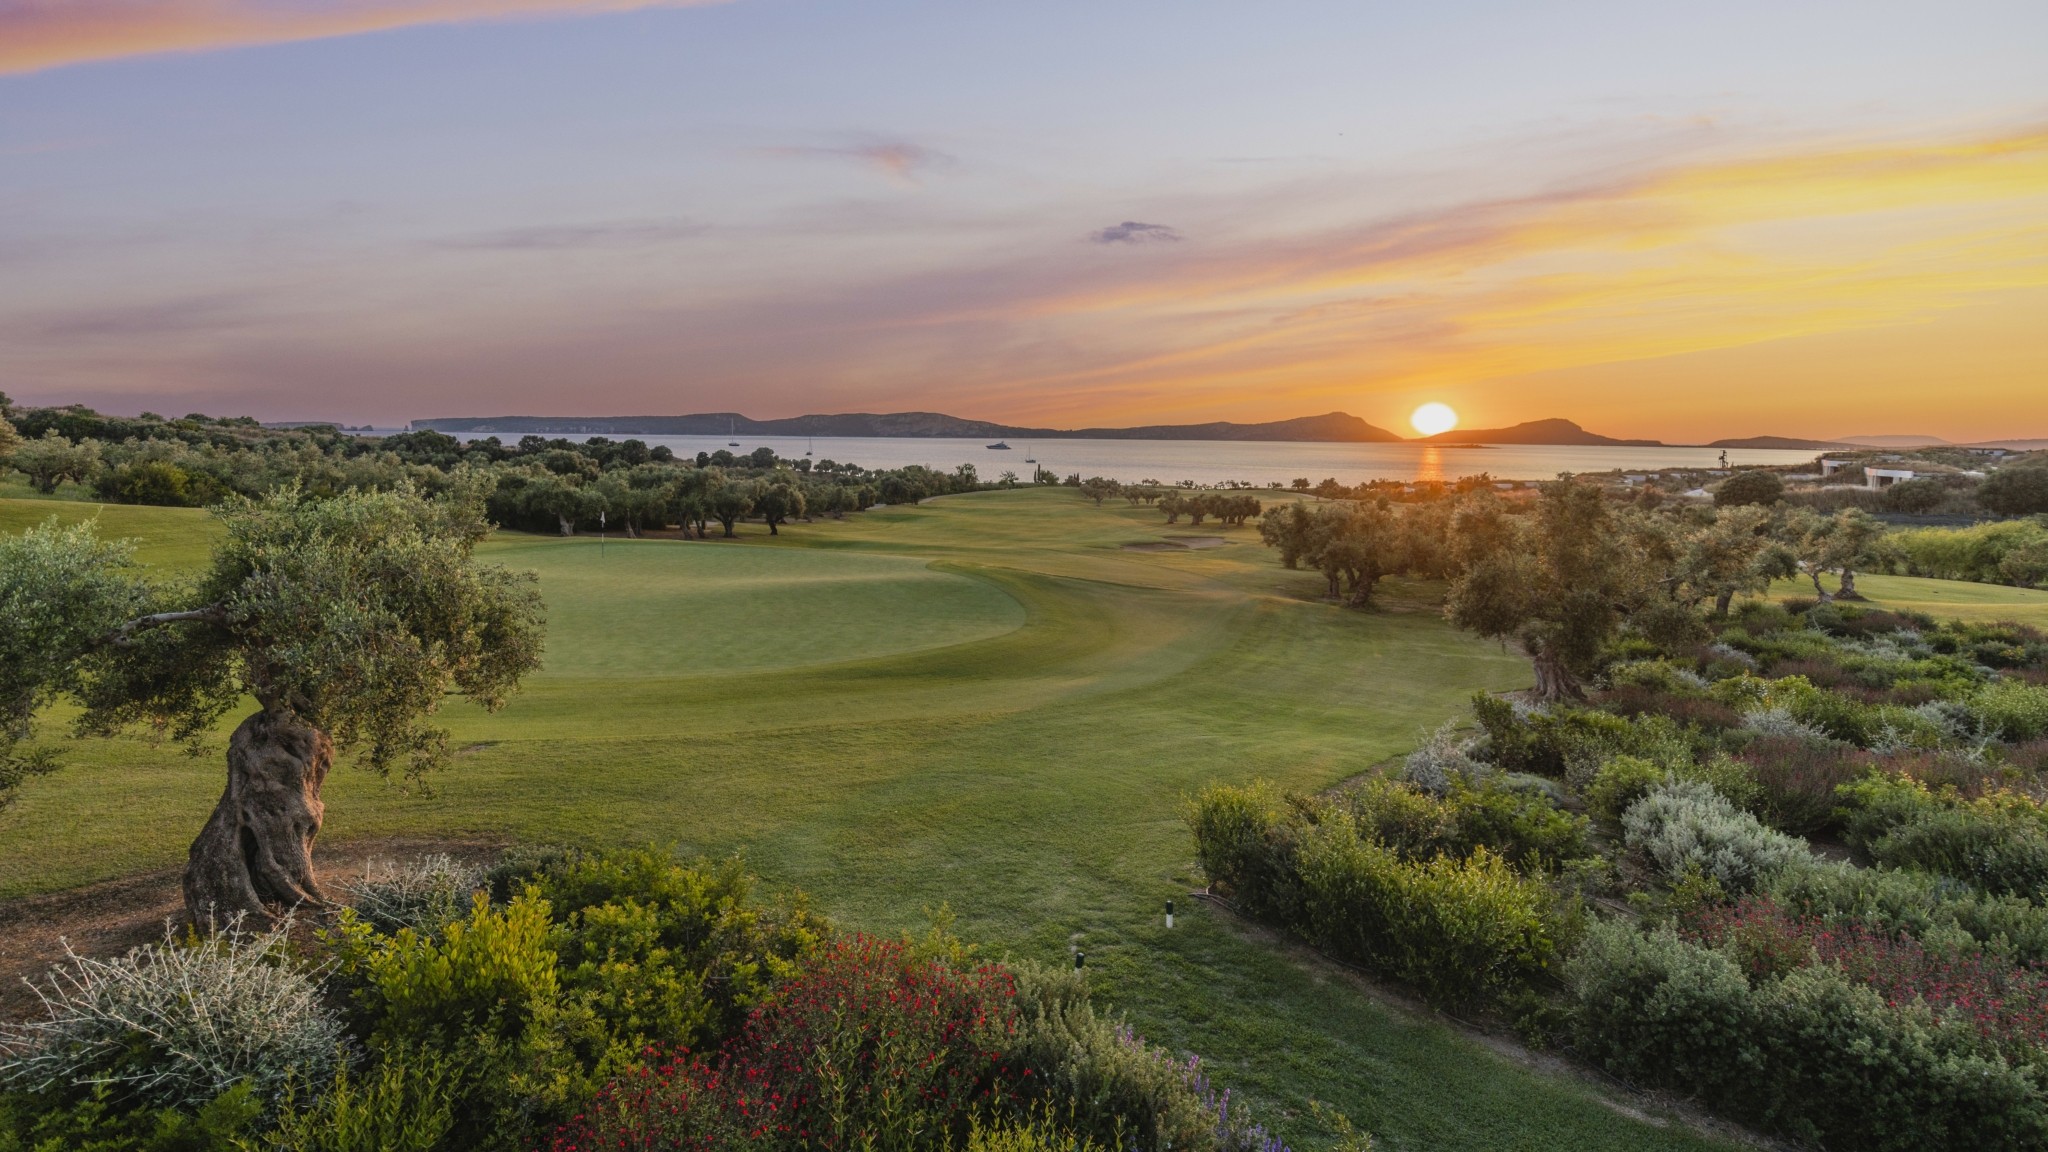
[1211, 462]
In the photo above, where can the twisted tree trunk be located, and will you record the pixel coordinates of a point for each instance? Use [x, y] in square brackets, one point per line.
[1848, 588]
[1554, 681]
[256, 851]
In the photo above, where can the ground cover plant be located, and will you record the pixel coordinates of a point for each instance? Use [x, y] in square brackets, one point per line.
[1020, 752]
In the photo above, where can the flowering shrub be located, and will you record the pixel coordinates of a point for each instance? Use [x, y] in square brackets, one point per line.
[1797, 779]
[1813, 1054]
[1105, 1084]
[872, 1046]
[2008, 1006]
[1916, 903]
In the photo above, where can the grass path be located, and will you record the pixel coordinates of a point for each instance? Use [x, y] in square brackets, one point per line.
[985, 702]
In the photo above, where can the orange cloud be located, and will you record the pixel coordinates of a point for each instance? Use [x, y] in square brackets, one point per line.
[39, 34]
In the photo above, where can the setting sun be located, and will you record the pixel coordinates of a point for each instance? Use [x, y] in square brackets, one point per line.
[1433, 418]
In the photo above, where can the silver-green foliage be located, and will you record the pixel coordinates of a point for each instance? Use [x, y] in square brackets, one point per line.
[421, 894]
[1688, 826]
[176, 1025]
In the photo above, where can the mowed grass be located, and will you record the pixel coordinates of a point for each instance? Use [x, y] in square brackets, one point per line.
[984, 703]
[1941, 599]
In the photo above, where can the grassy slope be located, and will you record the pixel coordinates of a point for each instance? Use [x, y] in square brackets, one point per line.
[1009, 730]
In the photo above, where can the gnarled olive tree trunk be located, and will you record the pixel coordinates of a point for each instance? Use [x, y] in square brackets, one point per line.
[1554, 681]
[256, 851]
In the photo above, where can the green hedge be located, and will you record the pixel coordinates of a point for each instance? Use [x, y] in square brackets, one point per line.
[1809, 1054]
[1458, 929]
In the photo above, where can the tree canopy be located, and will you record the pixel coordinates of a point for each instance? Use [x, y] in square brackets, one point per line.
[356, 615]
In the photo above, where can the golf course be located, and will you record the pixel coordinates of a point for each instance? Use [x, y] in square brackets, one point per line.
[994, 703]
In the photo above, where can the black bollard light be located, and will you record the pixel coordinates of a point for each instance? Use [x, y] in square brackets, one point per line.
[1080, 958]
[1169, 913]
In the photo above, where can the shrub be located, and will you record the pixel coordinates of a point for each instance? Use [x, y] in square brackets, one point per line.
[1796, 780]
[1457, 930]
[1688, 827]
[422, 894]
[1633, 700]
[1996, 851]
[176, 1025]
[1441, 760]
[872, 1046]
[1812, 1054]
[101, 1120]
[1413, 823]
[1104, 1083]
[1547, 741]
[1749, 486]
[2006, 1005]
[406, 1104]
[2011, 711]
[489, 974]
[1917, 903]
[1246, 848]
[1522, 825]
[667, 953]
[1621, 782]
[1028, 1136]
[2015, 490]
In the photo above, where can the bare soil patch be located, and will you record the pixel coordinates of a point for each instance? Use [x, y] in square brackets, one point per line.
[108, 918]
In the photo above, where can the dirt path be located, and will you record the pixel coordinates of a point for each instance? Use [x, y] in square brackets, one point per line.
[108, 918]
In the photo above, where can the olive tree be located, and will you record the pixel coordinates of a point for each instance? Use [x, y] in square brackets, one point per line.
[53, 459]
[778, 501]
[349, 620]
[1558, 582]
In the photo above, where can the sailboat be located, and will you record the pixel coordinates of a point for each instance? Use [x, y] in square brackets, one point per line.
[732, 429]
[1029, 457]
[809, 444]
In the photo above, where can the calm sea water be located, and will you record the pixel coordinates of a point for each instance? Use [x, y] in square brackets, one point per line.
[1216, 461]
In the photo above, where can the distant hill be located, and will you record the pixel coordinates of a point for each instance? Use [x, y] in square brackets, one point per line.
[1332, 427]
[1553, 431]
[1891, 441]
[1787, 442]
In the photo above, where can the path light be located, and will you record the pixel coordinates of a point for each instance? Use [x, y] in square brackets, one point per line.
[1169, 913]
[1080, 958]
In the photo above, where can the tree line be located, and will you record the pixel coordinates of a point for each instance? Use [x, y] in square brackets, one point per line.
[536, 484]
[1561, 575]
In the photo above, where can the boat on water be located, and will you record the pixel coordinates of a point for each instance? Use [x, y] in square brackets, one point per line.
[732, 428]
[810, 445]
[1030, 457]
[1000, 445]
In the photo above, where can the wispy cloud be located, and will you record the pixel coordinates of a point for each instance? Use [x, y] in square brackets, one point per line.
[598, 234]
[900, 160]
[39, 34]
[1133, 232]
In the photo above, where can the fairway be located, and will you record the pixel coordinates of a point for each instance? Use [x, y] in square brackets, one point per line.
[987, 702]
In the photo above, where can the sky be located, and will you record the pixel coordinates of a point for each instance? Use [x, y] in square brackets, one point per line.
[1681, 221]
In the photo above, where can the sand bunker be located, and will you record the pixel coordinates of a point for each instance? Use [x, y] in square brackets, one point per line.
[1176, 544]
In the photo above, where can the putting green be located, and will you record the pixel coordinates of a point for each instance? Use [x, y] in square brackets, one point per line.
[664, 608]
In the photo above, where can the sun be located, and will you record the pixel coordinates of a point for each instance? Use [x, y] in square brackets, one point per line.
[1433, 418]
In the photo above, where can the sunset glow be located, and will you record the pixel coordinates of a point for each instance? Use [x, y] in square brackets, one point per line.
[376, 211]
[1433, 418]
